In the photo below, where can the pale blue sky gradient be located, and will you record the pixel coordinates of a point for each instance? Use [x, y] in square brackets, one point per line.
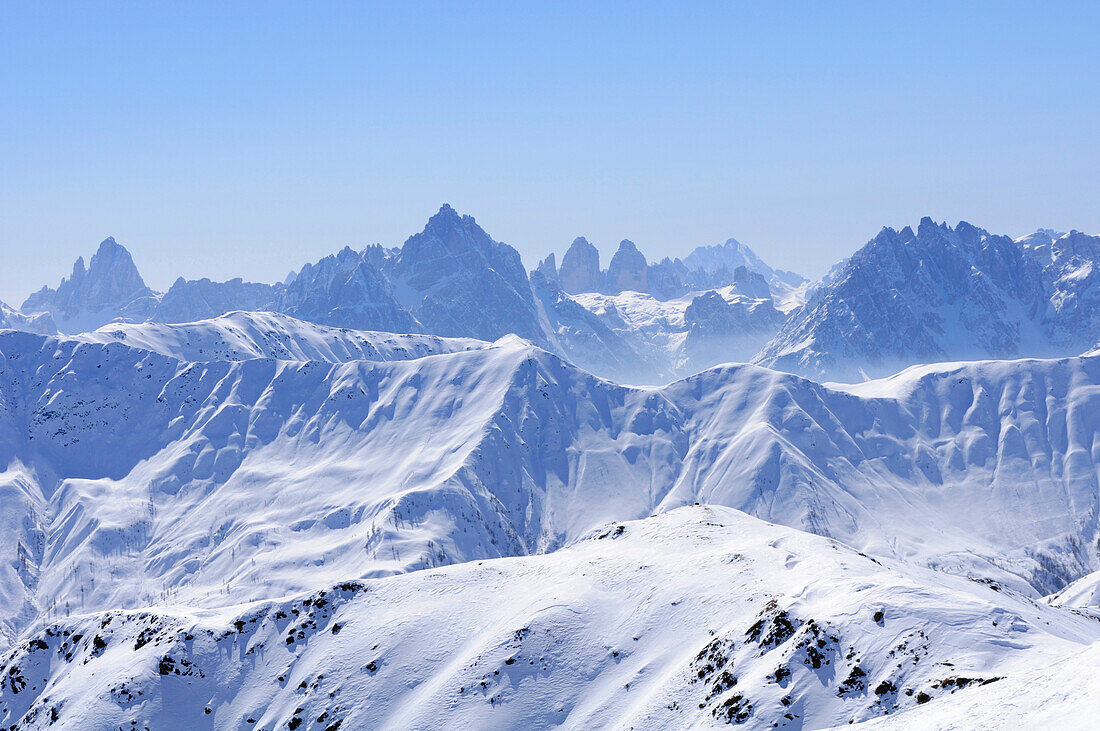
[246, 139]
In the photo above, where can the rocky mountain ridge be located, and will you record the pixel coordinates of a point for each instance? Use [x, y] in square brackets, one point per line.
[907, 297]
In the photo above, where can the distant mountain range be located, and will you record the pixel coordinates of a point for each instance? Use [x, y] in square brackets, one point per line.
[936, 294]
[707, 267]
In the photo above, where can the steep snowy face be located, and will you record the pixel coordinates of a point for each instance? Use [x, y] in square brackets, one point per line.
[109, 288]
[984, 469]
[580, 268]
[11, 319]
[904, 298]
[190, 301]
[627, 271]
[1081, 594]
[698, 617]
[175, 477]
[459, 282]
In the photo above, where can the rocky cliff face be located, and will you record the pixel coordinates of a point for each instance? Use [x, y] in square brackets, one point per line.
[751, 283]
[580, 268]
[346, 290]
[1071, 278]
[706, 268]
[628, 270]
[109, 288]
[907, 297]
[548, 268]
[201, 299]
[721, 330]
[669, 279]
[457, 281]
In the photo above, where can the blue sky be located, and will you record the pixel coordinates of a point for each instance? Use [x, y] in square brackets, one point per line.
[244, 139]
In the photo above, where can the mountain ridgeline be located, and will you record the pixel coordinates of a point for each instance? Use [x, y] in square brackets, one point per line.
[906, 297]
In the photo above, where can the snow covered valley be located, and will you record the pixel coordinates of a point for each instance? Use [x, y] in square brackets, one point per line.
[256, 522]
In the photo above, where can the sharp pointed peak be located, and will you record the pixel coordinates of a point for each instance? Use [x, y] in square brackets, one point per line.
[446, 215]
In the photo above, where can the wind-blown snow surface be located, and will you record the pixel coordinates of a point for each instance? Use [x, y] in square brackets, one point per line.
[249, 335]
[136, 474]
[700, 616]
[11, 319]
[1058, 695]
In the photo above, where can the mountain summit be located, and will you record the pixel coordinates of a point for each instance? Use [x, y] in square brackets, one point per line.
[457, 281]
[110, 287]
[942, 293]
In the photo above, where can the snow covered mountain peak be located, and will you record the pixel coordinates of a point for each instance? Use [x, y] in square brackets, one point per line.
[458, 281]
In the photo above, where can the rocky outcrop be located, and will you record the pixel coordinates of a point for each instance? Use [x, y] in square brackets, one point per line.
[721, 330]
[751, 284]
[346, 290]
[109, 288]
[201, 299]
[669, 278]
[907, 297]
[713, 266]
[580, 268]
[548, 268]
[461, 283]
[628, 270]
[1071, 278]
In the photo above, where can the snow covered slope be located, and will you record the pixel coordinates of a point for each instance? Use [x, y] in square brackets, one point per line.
[1083, 593]
[697, 617]
[225, 481]
[1062, 694]
[687, 334]
[248, 335]
[11, 319]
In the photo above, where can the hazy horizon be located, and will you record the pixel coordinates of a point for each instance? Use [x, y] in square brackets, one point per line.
[607, 250]
[248, 140]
